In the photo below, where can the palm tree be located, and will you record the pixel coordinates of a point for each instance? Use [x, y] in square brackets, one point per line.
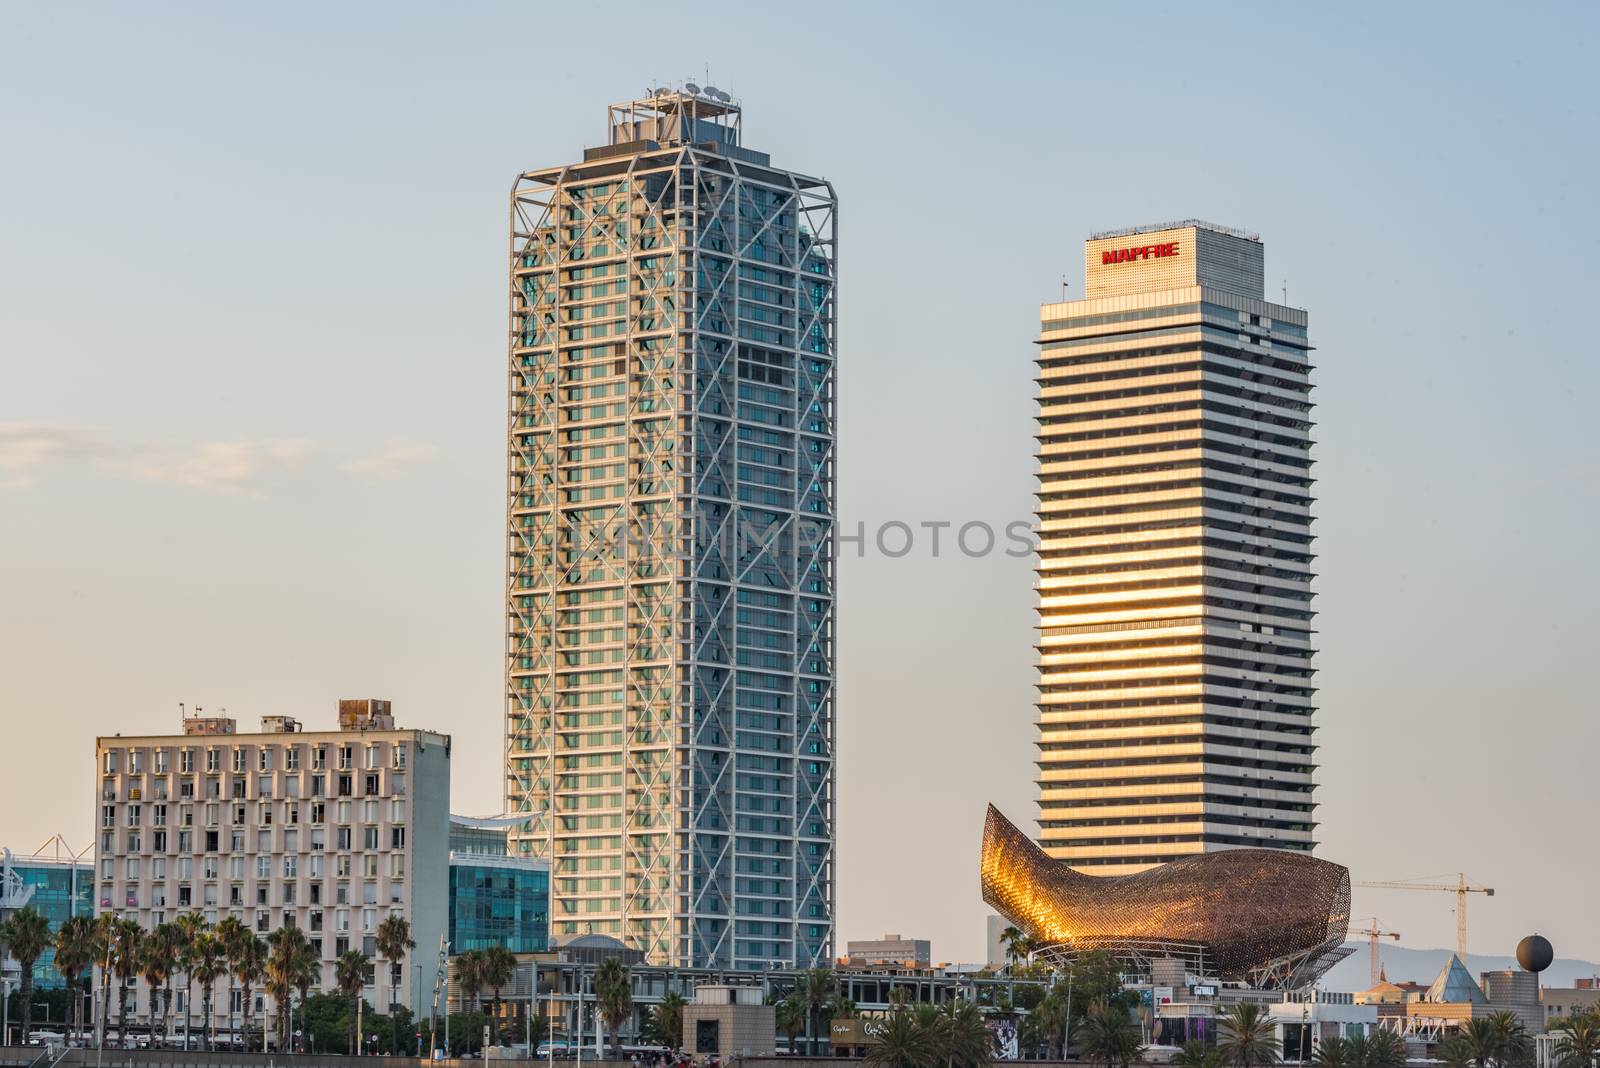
[1579, 1044]
[669, 1020]
[469, 980]
[207, 964]
[106, 926]
[249, 965]
[613, 996]
[791, 1019]
[1384, 1049]
[307, 973]
[1010, 939]
[167, 946]
[817, 986]
[393, 942]
[901, 1041]
[499, 968]
[1515, 1044]
[1109, 1036]
[1051, 1016]
[1196, 1054]
[1334, 1053]
[960, 1037]
[189, 926]
[289, 957]
[1454, 1052]
[230, 932]
[125, 965]
[1246, 1037]
[158, 958]
[350, 975]
[75, 953]
[27, 935]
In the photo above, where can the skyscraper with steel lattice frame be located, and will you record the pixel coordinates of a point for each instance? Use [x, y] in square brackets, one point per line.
[670, 510]
[1175, 642]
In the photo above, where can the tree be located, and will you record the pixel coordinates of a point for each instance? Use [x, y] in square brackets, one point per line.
[1246, 1037]
[1334, 1053]
[350, 975]
[394, 942]
[248, 962]
[230, 933]
[1109, 1036]
[1579, 1044]
[291, 965]
[158, 959]
[1384, 1049]
[469, 980]
[669, 1020]
[1514, 1044]
[75, 954]
[1197, 1054]
[189, 925]
[613, 996]
[1010, 941]
[105, 952]
[960, 1036]
[1454, 1052]
[817, 986]
[1051, 1015]
[27, 935]
[499, 968]
[901, 1042]
[791, 1019]
[126, 937]
[206, 964]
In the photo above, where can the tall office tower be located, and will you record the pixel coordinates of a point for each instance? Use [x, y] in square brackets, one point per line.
[1175, 693]
[670, 574]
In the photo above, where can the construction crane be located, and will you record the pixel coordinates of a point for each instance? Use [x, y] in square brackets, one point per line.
[1460, 889]
[1374, 933]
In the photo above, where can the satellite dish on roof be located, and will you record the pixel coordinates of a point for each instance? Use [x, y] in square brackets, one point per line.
[713, 92]
[691, 87]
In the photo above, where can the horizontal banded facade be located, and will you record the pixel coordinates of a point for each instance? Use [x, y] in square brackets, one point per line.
[1175, 493]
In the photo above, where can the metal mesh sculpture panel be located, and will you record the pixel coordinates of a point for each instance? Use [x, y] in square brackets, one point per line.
[1269, 917]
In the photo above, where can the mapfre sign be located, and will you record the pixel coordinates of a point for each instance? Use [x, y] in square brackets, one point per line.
[1139, 252]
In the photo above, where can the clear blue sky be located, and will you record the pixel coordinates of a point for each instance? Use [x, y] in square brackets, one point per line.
[252, 370]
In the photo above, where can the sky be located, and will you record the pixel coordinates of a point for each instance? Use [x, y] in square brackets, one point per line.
[252, 352]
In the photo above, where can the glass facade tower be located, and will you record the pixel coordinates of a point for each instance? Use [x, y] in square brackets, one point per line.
[670, 509]
[1175, 680]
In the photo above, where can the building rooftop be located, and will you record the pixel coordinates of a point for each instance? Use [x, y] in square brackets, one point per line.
[1178, 224]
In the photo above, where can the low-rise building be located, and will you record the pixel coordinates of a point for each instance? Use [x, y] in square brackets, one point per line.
[1561, 1002]
[496, 899]
[890, 951]
[54, 882]
[330, 832]
[729, 1021]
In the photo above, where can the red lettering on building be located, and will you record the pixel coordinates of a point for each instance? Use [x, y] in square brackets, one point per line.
[1139, 252]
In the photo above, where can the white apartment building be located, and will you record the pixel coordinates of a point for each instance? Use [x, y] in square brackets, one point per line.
[330, 832]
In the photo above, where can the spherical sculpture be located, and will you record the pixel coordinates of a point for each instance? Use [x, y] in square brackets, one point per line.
[1534, 953]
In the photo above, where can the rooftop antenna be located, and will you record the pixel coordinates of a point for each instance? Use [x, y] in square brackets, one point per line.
[1286, 292]
[1063, 289]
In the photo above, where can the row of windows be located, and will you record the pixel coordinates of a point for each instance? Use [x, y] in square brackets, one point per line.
[237, 759]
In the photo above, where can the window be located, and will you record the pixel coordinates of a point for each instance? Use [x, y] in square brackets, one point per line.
[369, 866]
[185, 897]
[341, 894]
[341, 866]
[158, 868]
[263, 867]
[213, 760]
[372, 785]
[318, 785]
[108, 868]
[135, 843]
[186, 841]
[397, 811]
[238, 814]
[158, 815]
[342, 840]
[133, 868]
[108, 815]
[319, 812]
[133, 815]
[236, 840]
[397, 837]
[264, 763]
[159, 843]
[208, 868]
[397, 755]
[370, 838]
[161, 761]
[319, 758]
[345, 786]
[237, 763]
[315, 864]
[346, 758]
[397, 866]
[108, 763]
[186, 761]
[291, 758]
[211, 841]
[288, 892]
[369, 812]
[374, 755]
[290, 865]
[135, 762]
[185, 869]
[236, 867]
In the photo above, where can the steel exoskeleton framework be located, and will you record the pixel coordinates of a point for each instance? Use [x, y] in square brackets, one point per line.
[670, 572]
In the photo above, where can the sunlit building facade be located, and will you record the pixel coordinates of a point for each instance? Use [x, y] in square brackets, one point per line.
[1175, 618]
[670, 503]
